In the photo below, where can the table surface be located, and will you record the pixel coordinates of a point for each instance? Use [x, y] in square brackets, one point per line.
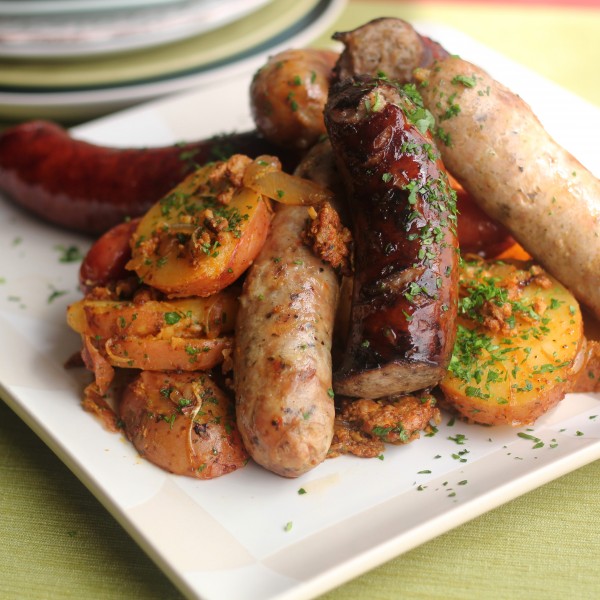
[59, 542]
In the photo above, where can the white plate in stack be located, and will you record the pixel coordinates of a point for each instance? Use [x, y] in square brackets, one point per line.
[89, 61]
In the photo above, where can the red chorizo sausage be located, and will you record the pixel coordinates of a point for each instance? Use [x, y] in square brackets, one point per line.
[89, 188]
[105, 261]
[403, 210]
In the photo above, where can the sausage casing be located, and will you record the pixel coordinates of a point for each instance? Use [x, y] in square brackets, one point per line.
[288, 94]
[403, 211]
[90, 188]
[499, 151]
[282, 355]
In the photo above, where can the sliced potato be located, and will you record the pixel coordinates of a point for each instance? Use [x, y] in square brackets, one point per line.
[183, 423]
[190, 317]
[519, 335]
[189, 334]
[204, 234]
[175, 354]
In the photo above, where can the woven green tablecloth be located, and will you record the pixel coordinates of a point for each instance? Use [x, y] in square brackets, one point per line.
[57, 541]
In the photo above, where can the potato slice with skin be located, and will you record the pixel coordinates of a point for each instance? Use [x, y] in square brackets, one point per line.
[183, 423]
[190, 317]
[153, 354]
[204, 234]
[519, 337]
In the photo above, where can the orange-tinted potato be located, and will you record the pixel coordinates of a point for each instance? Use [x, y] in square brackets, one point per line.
[183, 423]
[188, 334]
[186, 317]
[175, 354]
[204, 234]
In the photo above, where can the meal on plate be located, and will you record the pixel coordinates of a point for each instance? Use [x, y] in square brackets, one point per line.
[398, 234]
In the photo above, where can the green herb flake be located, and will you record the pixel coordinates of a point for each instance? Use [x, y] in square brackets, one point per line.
[465, 80]
[171, 318]
[537, 442]
[69, 254]
[54, 294]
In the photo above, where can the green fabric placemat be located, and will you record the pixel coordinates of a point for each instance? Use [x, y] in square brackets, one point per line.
[59, 542]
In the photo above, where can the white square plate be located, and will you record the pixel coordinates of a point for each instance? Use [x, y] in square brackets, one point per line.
[227, 539]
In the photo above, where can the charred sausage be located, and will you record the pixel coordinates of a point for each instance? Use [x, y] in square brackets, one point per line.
[385, 46]
[282, 355]
[499, 151]
[403, 211]
[288, 94]
[90, 188]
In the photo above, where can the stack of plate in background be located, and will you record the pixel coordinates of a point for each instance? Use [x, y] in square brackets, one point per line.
[76, 59]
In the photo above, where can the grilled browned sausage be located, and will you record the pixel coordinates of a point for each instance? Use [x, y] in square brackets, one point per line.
[282, 356]
[405, 284]
[500, 152]
[90, 188]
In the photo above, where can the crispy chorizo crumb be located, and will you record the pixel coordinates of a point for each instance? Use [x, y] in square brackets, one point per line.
[227, 365]
[362, 426]
[145, 294]
[329, 239]
[227, 176]
[539, 277]
[349, 441]
[496, 303]
[121, 289]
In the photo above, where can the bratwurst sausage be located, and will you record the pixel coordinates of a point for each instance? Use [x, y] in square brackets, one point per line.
[282, 355]
[403, 210]
[499, 151]
[90, 188]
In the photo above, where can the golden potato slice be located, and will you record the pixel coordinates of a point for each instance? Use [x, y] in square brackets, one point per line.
[204, 234]
[519, 333]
